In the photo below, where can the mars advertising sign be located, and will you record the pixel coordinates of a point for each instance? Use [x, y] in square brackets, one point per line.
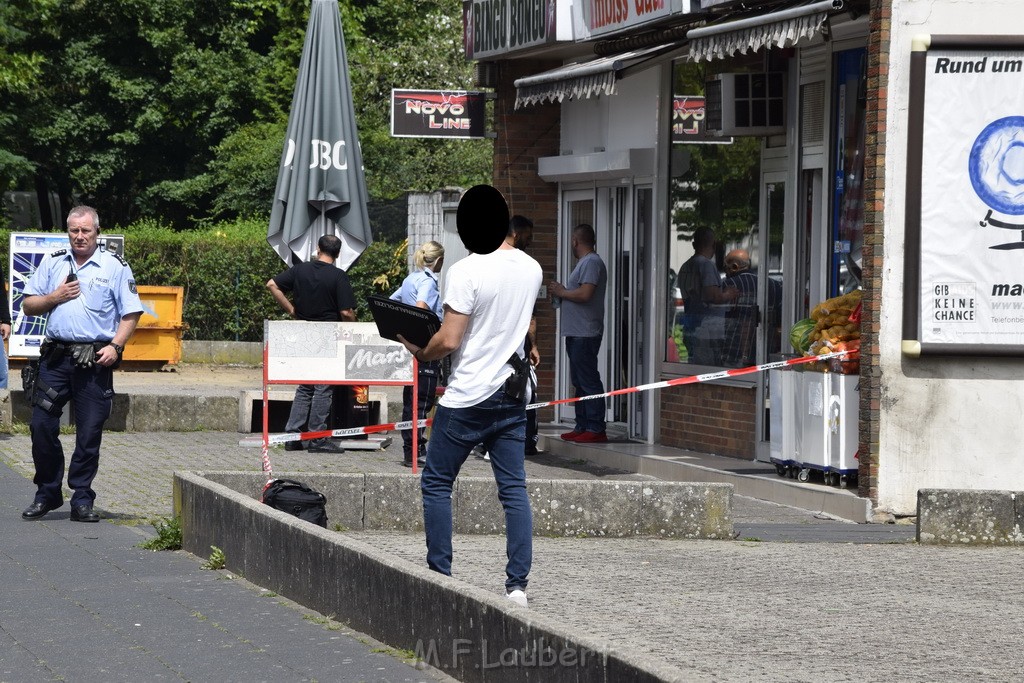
[494, 27]
[437, 114]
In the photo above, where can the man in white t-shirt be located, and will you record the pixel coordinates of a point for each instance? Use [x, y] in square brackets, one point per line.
[488, 304]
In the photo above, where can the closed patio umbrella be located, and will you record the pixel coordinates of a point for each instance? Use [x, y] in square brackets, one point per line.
[321, 188]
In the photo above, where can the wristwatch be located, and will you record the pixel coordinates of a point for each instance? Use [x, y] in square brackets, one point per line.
[118, 348]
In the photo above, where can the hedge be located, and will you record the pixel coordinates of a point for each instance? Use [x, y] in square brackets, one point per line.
[224, 270]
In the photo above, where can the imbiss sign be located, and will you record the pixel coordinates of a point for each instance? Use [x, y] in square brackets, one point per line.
[495, 27]
[437, 114]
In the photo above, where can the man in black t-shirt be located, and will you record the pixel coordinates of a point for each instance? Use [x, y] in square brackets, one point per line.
[320, 292]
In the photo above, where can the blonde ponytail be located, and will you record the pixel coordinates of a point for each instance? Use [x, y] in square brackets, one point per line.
[428, 254]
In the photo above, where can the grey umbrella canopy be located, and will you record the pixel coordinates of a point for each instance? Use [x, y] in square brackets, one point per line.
[321, 189]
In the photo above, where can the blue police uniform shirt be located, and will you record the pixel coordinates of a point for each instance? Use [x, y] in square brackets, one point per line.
[421, 286]
[108, 293]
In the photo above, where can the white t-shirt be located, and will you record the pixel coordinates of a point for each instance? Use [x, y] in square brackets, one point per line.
[497, 291]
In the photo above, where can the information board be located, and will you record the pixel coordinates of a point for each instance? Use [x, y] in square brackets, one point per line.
[304, 352]
[27, 250]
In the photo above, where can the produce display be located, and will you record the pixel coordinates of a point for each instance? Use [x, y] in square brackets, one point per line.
[834, 325]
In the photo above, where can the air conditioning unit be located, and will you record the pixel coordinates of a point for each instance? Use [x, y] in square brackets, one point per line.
[746, 104]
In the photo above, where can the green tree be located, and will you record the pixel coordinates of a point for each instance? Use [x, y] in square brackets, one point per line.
[20, 68]
[176, 109]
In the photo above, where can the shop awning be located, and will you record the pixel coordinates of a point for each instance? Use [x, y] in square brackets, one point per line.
[775, 29]
[584, 79]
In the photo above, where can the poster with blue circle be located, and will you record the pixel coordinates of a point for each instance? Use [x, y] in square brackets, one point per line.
[972, 199]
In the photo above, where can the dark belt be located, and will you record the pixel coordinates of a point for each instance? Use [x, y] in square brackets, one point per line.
[59, 347]
[62, 345]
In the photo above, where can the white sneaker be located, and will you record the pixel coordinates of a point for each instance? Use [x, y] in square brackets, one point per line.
[518, 597]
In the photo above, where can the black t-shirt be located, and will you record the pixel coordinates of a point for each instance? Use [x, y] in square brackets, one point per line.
[319, 290]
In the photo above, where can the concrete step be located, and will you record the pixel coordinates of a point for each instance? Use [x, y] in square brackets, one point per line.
[750, 478]
[239, 410]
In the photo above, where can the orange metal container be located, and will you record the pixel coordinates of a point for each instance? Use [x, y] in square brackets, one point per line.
[158, 336]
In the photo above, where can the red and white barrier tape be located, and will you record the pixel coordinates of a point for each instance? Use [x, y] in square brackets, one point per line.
[679, 381]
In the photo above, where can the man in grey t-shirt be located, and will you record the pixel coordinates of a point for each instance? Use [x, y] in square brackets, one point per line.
[582, 313]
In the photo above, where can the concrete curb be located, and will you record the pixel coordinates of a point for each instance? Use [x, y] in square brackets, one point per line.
[571, 507]
[465, 631]
[631, 458]
[965, 517]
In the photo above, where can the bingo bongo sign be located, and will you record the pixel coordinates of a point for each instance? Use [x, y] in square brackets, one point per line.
[437, 114]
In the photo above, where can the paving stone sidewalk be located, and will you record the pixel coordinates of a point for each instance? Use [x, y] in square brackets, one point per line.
[740, 610]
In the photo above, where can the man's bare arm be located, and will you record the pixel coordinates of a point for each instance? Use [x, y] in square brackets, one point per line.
[280, 298]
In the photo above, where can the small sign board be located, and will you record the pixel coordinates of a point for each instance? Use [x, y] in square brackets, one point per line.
[304, 352]
[689, 122]
[438, 114]
[27, 250]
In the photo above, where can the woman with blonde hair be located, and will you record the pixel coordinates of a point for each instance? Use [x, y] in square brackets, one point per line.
[420, 289]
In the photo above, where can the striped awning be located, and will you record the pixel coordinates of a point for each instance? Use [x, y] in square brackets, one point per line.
[581, 80]
[783, 28]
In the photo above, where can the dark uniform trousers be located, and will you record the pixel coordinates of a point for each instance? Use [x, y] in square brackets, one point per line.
[425, 399]
[91, 391]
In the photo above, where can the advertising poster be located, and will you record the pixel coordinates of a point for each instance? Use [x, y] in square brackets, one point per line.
[438, 114]
[27, 250]
[301, 351]
[971, 252]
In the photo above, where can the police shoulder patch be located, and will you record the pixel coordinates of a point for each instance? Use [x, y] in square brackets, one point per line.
[132, 288]
[59, 252]
[121, 259]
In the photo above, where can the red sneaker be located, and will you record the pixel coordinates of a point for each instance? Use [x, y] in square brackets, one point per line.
[571, 436]
[592, 437]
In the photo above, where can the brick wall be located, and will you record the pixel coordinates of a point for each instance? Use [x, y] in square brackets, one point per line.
[709, 418]
[874, 232]
[523, 136]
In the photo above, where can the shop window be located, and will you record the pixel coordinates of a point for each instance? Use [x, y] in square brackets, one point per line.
[713, 205]
[848, 191]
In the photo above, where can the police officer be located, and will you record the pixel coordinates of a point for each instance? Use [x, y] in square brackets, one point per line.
[93, 308]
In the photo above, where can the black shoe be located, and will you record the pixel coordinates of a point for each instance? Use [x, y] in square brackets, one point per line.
[420, 462]
[532, 450]
[325, 446]
[293, 445]
[84, 513]
[37, 510]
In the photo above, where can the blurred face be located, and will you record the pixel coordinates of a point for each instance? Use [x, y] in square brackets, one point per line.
[83, 235]
[524, 238]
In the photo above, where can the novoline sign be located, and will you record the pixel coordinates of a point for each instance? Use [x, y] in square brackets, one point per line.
[688, 122]
[437, 114]
[495, 27]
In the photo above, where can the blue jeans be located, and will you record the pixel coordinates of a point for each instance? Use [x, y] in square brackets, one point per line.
[586, 380]
[500, 425]
[4, 369]
[310, 409]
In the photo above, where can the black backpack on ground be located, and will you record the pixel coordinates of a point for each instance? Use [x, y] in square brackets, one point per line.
[297, 499]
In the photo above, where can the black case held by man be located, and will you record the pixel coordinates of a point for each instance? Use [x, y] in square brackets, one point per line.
[297, 499]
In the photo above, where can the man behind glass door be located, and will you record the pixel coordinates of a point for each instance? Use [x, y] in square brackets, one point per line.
[582, 312]
[703, 299]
